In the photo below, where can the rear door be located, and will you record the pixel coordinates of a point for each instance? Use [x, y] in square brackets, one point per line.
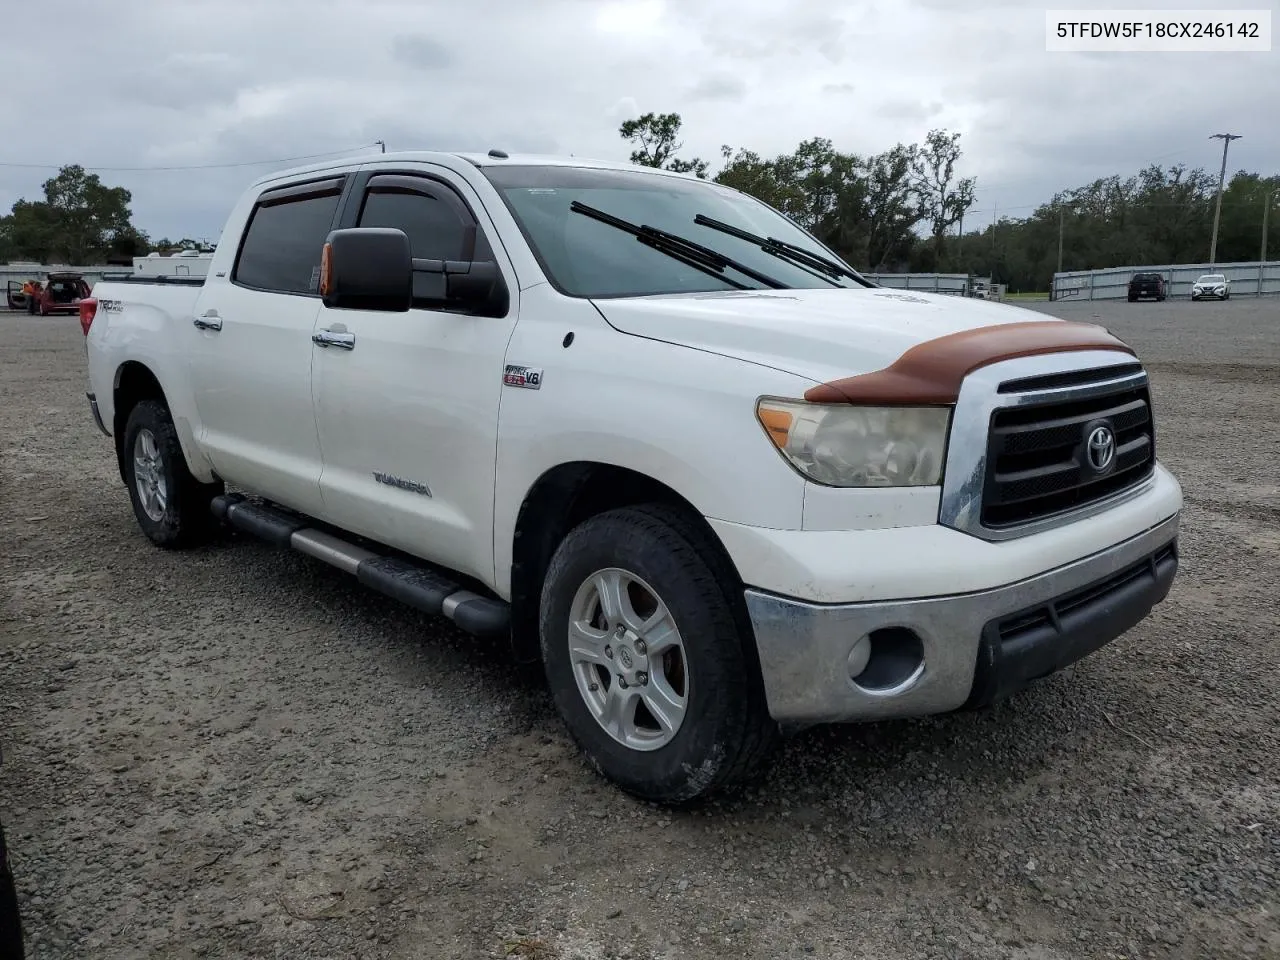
[250, 348]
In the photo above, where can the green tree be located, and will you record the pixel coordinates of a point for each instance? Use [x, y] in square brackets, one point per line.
[943, 198]
[79, 221]
[655, 139]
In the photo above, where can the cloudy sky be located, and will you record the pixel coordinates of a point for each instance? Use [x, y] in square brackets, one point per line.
[158, 83]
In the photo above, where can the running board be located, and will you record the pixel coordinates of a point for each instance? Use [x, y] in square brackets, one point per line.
[419, 587]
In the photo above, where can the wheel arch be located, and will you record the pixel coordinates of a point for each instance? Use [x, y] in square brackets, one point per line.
[135, 381]
[567, 495]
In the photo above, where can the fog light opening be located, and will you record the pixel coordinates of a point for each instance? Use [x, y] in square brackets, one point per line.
[888, 660]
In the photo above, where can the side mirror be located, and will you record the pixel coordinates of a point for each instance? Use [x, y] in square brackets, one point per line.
[367, 268]
[474, 285]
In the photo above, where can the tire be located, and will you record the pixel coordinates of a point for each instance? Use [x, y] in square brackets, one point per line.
[10, 917]
[726, 736]
[176, 515]
[1132, 298]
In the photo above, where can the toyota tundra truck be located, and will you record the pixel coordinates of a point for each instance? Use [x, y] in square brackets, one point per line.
[649, 430]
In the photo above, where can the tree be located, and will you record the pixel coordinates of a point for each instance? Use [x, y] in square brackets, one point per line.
[892, 208]
[871, 210]
[30, 227]
[80, 220]
[747, 171]
[933, 169]
[654, 137]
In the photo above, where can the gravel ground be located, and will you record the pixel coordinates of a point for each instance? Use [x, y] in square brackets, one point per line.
[241, 753]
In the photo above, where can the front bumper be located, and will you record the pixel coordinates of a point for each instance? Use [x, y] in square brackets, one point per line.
[926, 656]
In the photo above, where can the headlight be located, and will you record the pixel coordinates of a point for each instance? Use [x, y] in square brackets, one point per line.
[841, 445]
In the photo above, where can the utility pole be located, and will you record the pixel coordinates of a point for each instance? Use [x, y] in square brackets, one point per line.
[1226, 139]
[995, 222]
[1266, 212]
[382, 144]
[1062, 215]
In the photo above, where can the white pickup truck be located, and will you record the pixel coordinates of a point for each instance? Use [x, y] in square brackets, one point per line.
[643, 425]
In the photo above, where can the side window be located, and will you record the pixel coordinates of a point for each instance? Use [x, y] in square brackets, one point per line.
[435, 231]
[283, 243]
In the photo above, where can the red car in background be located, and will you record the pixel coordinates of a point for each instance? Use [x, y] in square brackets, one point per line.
[60, 293]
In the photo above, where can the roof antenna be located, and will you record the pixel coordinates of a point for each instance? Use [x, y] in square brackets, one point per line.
[498, 154]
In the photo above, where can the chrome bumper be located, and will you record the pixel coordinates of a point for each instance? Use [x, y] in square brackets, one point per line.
[938, 654]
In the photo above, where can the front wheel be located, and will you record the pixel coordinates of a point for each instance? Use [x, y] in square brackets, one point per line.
[648, 662]
[171, 506]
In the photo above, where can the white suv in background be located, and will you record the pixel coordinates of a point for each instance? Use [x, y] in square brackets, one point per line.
[1211, 285]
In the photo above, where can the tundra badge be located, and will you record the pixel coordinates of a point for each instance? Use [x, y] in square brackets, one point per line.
[411, 485]
[517, 376]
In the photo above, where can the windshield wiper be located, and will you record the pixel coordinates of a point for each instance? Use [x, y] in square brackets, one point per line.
[682, 249]
[783, 250]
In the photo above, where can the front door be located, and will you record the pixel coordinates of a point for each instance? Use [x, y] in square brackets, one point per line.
[407, 406]
[250, 349]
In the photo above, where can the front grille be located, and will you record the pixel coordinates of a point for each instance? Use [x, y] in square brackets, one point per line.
[1037, 453]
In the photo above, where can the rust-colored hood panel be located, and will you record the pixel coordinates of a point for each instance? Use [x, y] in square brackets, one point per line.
[931, 372]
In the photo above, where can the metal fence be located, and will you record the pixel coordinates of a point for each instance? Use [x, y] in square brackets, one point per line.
[1246, 279]
[957, 284]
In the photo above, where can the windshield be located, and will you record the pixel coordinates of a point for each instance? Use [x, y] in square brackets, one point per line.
[1212, 278]
[584, 257]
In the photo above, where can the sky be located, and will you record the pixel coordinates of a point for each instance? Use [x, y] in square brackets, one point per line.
[155, 84]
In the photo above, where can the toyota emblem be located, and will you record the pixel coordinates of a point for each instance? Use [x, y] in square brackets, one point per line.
[1101, 448]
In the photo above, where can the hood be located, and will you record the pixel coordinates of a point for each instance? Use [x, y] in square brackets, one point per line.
[822, 334]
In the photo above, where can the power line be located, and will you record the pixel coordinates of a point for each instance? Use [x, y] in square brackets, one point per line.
[198, 166]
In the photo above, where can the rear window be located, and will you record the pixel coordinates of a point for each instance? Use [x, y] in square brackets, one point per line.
[283, 243]
[1146, 276]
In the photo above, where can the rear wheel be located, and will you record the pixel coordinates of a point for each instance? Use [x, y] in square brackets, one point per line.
[648, 663]
[171, 506]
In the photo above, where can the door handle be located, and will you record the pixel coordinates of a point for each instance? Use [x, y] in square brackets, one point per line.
[328, 338]
[208, 322]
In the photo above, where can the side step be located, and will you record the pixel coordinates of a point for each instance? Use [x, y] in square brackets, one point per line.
[419, 587]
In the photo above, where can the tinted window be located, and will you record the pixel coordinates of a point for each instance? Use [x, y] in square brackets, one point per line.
[434, 229]
[282, 247]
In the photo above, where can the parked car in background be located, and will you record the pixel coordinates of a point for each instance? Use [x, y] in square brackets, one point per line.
[1213, 285]
[62, 293]
[1143, 285]
[58, 293]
